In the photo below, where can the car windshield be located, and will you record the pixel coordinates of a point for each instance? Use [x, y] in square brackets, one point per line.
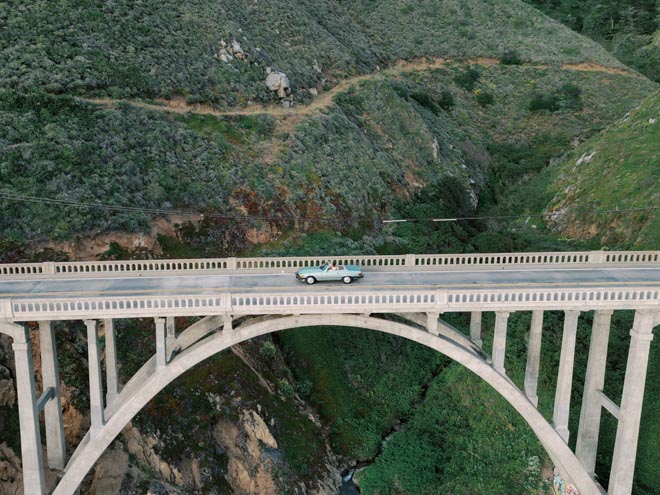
[324, 266]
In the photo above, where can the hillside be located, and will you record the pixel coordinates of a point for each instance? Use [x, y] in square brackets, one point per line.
[168, 48]
[618, 168]
[271, 174]
[146, 129]
[626, 28]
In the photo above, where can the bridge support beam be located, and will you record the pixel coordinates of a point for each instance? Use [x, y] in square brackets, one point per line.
[161, 343]
[475, 328]
[31, 454]
[432, 323]
[565, 376]
[112, 381]
[55, 446]
[533, 357]
[587, 439]
[499, 340]
[627, 433]
[95, 380]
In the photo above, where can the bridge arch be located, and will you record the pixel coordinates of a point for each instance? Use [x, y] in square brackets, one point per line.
[150, 380]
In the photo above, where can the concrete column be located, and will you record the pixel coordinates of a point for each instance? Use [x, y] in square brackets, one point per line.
[228, 325]
[533, 357]
[161, 343]
[499, 340]
[55, 446]
[171, 331]
[432, 323]
[565, 375]
[587, 439]
[475, 328]
[31, 456]
[111, 377]
[95, 379]
[627, 433]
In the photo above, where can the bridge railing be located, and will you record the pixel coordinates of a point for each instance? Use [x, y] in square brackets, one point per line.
[290, 264]
[376, 301]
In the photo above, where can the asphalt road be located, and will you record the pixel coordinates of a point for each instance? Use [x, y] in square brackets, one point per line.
[209, 284]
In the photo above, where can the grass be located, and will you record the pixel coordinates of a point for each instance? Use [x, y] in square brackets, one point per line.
[622, 174]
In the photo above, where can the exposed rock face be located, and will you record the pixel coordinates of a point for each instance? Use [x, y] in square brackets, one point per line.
[11, 479]
[250, 470]
[7, 391]
[279, 82]
[142, 448]
[110, 472]
[229, 52]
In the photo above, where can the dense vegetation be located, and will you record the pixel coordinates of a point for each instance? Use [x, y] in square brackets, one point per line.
[395, 133]
[169, 48]
[472, 137]
[628, 28]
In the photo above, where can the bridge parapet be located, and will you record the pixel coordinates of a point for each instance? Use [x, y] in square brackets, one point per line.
[290, 264]
[363, 301]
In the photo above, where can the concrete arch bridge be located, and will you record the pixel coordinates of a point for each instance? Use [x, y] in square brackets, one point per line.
[239, 299]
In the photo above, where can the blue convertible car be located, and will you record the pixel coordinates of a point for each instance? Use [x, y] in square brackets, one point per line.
[329, 271]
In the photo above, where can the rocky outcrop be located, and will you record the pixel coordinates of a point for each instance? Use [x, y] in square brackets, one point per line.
[7, 391]
[110, 472]
[11, 480]
[250, 468]
[230, 51]
[279, 82]
[142, 448]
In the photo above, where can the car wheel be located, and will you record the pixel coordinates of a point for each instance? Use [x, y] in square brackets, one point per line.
[310, 280]
[347, 280]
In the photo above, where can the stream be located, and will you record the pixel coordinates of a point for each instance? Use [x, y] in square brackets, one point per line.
[347, 485]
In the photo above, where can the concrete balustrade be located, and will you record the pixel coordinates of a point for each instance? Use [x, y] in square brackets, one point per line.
[290, 264]
[377, 301]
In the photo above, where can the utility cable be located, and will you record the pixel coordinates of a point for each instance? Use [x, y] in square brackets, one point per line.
[161, 211]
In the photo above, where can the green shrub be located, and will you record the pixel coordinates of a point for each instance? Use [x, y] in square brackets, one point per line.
[467, 78]
[484, 99]
[446, 100]
[268, 351]
[425, 100]
[511, 57]
[571, 96]
[544, 102]
[285, 388]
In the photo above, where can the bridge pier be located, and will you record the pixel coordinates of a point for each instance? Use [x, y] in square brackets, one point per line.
[565, 375]
[95, 381]
[112, 382]
[533, 357]
[28, 410]
[499, 340]
[587, 440]
[627, 433]
[475, 328]
[55, 446]
[161, 343]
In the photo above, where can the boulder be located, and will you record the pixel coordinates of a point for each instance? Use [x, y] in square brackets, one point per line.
[278, 81]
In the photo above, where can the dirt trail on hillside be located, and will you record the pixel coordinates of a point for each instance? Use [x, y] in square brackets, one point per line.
[325, 100]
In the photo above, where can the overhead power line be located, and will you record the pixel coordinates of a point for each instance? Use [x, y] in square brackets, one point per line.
[162, 211]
